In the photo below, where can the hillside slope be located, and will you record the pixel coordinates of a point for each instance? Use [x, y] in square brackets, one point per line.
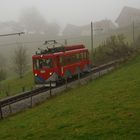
[107, 108]
[15, 85]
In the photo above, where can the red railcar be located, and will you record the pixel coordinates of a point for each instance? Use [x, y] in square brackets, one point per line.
[56, 64]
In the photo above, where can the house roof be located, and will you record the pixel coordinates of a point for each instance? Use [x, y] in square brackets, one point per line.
[74, 29]
[128, 11]
[103, 22]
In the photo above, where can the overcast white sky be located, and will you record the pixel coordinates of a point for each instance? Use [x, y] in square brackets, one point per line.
[78, 12]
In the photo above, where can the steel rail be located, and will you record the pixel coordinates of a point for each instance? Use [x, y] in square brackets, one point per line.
[13, 99]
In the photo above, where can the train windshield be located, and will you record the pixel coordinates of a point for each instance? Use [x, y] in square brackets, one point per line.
[42, 63]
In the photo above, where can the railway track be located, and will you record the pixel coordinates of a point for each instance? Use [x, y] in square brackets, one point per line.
[13, 104]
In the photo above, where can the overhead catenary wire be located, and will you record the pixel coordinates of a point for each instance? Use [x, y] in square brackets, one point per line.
[40, 41]
[19, 33]
[12, 34]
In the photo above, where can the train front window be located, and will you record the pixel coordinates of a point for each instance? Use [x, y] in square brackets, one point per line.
[42, 63]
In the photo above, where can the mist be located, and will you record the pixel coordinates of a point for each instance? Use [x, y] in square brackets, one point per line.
[60, 20]
[77, 12]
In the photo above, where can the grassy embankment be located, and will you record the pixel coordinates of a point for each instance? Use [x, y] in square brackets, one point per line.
[16, 85]
[107, 108]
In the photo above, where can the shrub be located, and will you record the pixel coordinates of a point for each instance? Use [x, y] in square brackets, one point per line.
[2, 74]
[113, 48]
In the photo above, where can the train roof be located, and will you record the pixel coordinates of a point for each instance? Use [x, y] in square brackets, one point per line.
[62, 53]
[60, 48]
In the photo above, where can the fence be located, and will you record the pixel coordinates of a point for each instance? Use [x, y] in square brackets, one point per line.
[14, 104]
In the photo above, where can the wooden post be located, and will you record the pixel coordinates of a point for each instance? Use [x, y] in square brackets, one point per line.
[50, 88]
[10, 108]
[133, 33]
[79, 77]
[1, 114]
[66, 81]
[92, 53]
[23, 89]
[31, 101]
[99, 73]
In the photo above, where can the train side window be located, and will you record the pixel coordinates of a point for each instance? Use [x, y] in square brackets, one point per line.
[85, 57]
[73, 57]
[65, 60]
[61, 61]
[69, 60]
[77, 57]
[81, 56]
[54, 62]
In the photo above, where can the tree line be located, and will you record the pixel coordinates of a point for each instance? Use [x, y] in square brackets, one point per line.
[31, 21]
[19, 60]
[114, 47]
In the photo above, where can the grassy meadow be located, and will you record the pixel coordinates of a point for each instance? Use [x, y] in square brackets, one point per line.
[107, 108]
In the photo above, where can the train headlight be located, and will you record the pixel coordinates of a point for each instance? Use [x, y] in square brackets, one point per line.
[35, 74]
[50, 73]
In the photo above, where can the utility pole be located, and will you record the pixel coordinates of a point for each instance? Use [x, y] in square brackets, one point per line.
[92, 54]
[92, 51]
[133, 33]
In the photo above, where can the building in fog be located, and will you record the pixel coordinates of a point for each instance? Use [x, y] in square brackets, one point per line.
[71, 30]
[127, 16]
[85, 30]
[103, 26]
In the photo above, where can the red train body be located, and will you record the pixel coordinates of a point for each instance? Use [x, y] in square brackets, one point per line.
[60, 63]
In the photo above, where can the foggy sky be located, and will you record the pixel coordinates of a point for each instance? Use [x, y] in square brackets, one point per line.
[78, 12]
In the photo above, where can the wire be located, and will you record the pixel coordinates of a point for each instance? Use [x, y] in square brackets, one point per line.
[2, 35]
[39, 41]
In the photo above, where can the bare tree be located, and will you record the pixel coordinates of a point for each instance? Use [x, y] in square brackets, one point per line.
[20, 61]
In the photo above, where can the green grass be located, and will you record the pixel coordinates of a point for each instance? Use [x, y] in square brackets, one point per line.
[107, 108]
[15, 85]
